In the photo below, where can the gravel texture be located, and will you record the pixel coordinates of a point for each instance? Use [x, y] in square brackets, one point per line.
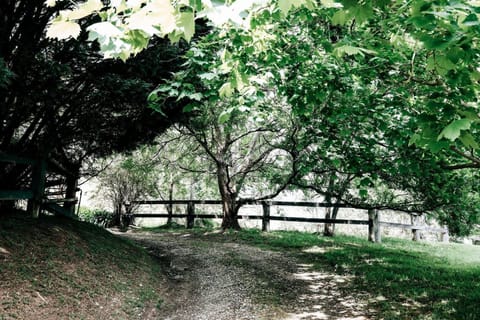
[216, 280]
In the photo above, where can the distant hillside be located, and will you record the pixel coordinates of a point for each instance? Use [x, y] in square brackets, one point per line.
[54, 268]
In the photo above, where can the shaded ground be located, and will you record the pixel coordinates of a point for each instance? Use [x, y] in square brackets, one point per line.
[215, 278]
[53, 268]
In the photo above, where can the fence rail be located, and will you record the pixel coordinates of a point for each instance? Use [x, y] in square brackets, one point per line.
[374, 224]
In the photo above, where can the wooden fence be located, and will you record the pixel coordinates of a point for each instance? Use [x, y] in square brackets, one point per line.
[37, 194]
[374, 224]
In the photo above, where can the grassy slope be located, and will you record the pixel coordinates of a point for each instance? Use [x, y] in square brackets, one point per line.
[54, 268]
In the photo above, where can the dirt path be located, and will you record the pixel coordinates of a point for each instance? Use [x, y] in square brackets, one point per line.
[224, 281]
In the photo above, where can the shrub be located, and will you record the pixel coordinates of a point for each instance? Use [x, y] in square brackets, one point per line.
[99, 217]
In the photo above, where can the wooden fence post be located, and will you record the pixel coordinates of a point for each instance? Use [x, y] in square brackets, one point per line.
[190, 215]
[71, 193]
[371, 216]
[416, 232]
[266, 216]
[374, 231]
[445, 236]
[38, 187]
[377, 227]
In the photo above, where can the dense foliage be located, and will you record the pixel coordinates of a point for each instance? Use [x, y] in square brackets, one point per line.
[383, 95]
[61, 100]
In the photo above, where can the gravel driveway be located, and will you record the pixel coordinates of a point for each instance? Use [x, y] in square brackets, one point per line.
[216, 280]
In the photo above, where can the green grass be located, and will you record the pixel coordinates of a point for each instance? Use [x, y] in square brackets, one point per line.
[414, 280]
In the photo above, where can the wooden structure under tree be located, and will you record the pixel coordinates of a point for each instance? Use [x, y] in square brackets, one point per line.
[37, 193]
[374, 224]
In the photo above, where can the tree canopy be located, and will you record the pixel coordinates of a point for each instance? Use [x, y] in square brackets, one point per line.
[62, 100]
[430, 46]
[382, 95]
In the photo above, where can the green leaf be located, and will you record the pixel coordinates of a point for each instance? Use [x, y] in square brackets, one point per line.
[472, 115]
[431, 63]
[196, 4]
[186, 23]
[224, 116]
[361, 12]
[50, 3]
[331, 4]
[153, 96]
[365, 182]
[241, 80]
[196, 96]
[207, 76]
[471, 20]
[363, 193]
[82, 10]
[339, 18]
[340, 51]
[468, 141]
[443, 64]
[137, 39]
[432, 43]
[286, 5]
[189, 107]
[226, 90]
[103, 30]
[436, 146]
[414, 139]
[63, 30]
[453, 130]
[156, 18]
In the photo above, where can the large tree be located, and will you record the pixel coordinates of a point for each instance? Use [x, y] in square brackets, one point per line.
[246, 134]
[61, 100]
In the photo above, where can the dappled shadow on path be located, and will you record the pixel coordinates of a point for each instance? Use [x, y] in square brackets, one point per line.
[217, 278]
[327, 296]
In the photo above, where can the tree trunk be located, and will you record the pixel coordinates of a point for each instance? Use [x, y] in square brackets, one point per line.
[117, 215]
[229, 199]
[328, 229]
[170, 205]
[230, 214]
[71, 192]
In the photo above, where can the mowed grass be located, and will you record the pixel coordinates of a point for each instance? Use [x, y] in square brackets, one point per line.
[54, 268]
[404, 279]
